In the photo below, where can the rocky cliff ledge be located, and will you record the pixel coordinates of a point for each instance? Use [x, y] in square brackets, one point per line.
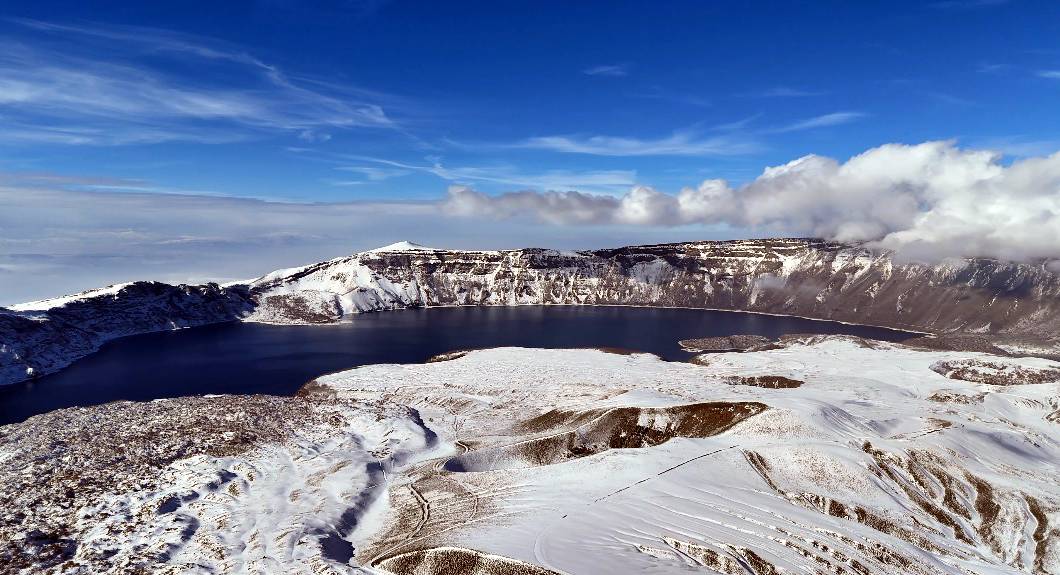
[44, 337]
[804, 277]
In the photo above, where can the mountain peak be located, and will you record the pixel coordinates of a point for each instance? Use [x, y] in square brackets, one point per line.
[402, 246]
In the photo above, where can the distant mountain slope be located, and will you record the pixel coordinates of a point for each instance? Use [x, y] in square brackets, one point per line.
[39, 339]
[804, 277]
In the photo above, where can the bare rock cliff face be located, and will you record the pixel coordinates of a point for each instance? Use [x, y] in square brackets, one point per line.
[38, 342]
[810, 278]
[804, 277]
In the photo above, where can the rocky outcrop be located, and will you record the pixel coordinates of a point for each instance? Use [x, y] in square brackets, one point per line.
[724, 343]
[802, 277]
[44, 339]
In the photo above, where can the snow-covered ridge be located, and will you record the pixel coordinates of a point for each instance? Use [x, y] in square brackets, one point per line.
[47, 336]
[557, 461]
[402, 246]
[810, 278]
[46, 304]
[801, 277]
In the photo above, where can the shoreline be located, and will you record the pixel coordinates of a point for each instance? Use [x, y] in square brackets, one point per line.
[342, 319]
[349, 317]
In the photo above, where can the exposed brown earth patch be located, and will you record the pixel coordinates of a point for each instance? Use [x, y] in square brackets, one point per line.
[989, 510]
[1046, 537]
[724, 343]
[836, 508]
[449, 356]
[65, 460]
[766, 381]
[908, 476]
[595, 431]
[994, 373]
[298, 308]
[961, 398]
[457, 561]
[732, 561]
[975, 343]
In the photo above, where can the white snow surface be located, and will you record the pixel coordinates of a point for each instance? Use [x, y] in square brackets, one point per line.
[873, 429]
[402, 246]
[614, 512]
[46, 304]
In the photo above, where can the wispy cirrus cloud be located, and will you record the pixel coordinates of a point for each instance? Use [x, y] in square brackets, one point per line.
[737, 139]
[822, 121]
[596, 181]
[673, 96]
[1051, 74]
[990, 67]
[681, 143]
[784, 92]
[117, 85]
[374, 174]
[612, 70]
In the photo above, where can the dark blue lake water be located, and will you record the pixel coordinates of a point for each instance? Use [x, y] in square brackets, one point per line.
[254, 358]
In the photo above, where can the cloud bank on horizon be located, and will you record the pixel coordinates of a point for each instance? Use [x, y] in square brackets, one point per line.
[926, 202]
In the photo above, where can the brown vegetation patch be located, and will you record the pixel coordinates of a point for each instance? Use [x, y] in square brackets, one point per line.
[766, 381]
[297, 308]
[1044, 537]
[457, 561]
[596, 431]
[65, 460]
[961, 398]
[315, 389]
[904, 474]
[449, 356]
[733, 561]
[995, 373]
[976, 343]
[989, 510]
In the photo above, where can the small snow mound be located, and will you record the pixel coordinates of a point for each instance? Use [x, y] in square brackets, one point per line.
[401, 247]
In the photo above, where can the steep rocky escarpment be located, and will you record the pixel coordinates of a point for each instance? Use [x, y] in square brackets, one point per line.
[40, 338]
[812, 278]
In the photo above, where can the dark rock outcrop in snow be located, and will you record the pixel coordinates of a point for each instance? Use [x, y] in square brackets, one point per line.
[724, 343]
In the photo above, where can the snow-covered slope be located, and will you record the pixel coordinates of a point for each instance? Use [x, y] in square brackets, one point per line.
[810, 278]
[867, 460]
[1019, 303]
[45, 336]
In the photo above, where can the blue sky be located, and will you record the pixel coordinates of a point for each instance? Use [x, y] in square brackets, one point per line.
[511, 95]
[379, 101]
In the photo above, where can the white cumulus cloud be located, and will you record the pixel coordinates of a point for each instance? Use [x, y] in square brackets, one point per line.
[926, 201]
